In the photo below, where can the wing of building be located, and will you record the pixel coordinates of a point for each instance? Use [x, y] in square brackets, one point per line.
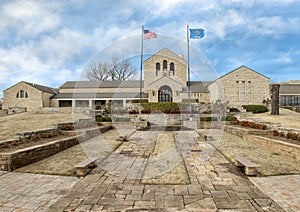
[165, 80]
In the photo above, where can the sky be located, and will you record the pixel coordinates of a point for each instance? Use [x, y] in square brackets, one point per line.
[50, 42]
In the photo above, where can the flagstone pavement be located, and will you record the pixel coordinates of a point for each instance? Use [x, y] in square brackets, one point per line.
[115, 185]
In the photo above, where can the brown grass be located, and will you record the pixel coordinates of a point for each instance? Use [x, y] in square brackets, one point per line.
[10, 125]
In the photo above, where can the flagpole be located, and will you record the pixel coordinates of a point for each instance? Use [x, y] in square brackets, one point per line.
[189, 76]
[141, 68]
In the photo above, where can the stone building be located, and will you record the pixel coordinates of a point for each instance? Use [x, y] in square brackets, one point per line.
[165, 80]
[242, 86]
[27, 96]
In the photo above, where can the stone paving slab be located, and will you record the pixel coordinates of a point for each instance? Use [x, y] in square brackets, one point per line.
[285, 190]
[215, 184]
[32, 192]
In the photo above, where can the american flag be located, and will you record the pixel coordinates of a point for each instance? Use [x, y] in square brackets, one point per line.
[148, 34]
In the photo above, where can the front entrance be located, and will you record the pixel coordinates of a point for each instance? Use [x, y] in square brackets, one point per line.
[165, 94]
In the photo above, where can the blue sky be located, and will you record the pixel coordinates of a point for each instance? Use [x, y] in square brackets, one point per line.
[50, 42]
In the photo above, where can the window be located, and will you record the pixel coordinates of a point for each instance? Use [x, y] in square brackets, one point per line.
[172, 70]
[165, 65]
[22, 94]
[249, 91]
[237, 90]
[157, 69]
[165, 94]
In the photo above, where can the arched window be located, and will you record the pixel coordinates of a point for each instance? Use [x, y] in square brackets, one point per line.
[172, 68]
[165, 94]
[22, 94]
[157, 68]
[165, 65]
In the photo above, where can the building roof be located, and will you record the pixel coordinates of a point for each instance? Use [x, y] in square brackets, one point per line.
[240, 68]
[102, 84]
[171, 53]
[289, 89]
[39, 87]
[98, 95]
[43, 88]
[199, 87]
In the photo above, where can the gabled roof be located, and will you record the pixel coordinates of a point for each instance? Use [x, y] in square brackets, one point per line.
[243, 66]
[174, 56]
[289, 89]
[198, 86]
[38, 87]
[98, 95]
[43, 88]
[102, 84]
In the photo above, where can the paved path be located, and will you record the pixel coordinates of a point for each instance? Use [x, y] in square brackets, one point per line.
[285, 190]
[31, 192]
[215, 184]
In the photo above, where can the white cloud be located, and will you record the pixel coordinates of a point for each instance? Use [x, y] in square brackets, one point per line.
[27, 17]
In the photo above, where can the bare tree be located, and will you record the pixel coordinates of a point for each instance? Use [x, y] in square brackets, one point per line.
[113, 71]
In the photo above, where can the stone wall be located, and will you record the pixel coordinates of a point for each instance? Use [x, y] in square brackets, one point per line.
[241, 87]
[13, 160]
[281, 147]
[252, 135]
[35, 101]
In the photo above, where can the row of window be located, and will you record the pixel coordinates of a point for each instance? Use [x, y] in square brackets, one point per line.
[289, 100]
[165, 68]
[243, 91]
[22, 94]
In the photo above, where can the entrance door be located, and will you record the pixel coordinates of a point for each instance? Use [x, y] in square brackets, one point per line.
[165, 94]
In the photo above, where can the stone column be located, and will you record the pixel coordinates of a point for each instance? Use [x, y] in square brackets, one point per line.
[275, 99]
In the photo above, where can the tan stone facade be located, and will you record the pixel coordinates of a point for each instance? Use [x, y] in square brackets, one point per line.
[165, 80]
[242, 86]
[25, 95]
[165, 70]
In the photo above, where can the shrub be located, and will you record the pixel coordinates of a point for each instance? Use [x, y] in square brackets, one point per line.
[206, 119]
[291, 135]
[192, 100]
[138, 101]
[255, 108]
[103, 119]
[133, 112]
[231, 118]
[145, 111]
[281, 134]
[122, 119]
[275, 133]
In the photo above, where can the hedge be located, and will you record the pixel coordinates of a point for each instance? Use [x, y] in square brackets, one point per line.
[138, 101]
[255, 108]
[103, 119]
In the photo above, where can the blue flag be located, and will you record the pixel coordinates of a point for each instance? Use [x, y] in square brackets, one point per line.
[196, 33]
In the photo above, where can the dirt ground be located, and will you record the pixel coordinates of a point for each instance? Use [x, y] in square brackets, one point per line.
[11, 124]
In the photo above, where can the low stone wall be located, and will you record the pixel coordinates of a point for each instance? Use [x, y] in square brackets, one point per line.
[13, 160]
[278, 146]
[244, 132]
[256, 136]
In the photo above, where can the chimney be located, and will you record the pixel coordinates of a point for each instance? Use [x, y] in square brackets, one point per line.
[181, 55]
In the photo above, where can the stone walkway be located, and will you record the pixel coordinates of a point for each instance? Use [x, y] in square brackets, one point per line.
[31, 192]
[115, 185]
[285, 190]
[215, 184]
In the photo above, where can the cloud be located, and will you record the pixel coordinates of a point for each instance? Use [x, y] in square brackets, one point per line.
[27, 18]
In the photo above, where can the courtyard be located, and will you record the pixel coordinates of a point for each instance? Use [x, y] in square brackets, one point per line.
[157, 170]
